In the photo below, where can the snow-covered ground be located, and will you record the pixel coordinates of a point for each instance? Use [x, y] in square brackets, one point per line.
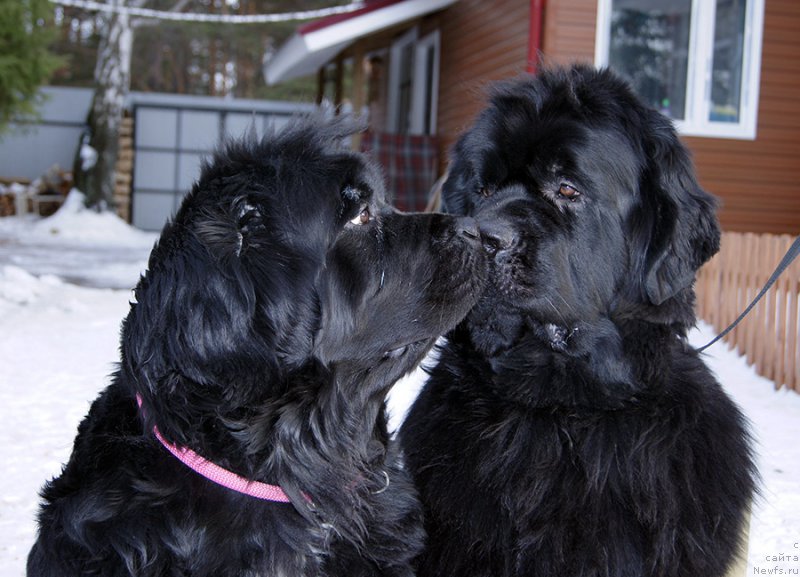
[64, 288]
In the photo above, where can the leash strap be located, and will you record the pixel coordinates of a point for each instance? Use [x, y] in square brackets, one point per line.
[790, 255]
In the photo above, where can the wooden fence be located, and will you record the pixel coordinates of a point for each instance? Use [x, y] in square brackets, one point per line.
[768, 336]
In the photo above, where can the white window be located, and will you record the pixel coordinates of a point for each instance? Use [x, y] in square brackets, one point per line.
[414, 83]
[698, 61]
[426, 85]
[401, 82]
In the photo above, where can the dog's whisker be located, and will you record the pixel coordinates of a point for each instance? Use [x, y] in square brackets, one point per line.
[557, 310]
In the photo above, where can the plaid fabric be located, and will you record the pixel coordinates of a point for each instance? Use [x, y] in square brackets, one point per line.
[410, 166]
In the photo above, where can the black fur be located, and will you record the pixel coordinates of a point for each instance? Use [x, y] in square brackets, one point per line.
[264, 336]
[568, 429]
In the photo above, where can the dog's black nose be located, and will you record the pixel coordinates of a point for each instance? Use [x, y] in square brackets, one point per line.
[468, 227]
[496, 235]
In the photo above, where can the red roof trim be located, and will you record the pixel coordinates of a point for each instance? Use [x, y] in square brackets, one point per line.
[371, 6]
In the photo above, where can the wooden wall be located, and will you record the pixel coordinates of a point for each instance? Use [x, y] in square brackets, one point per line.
[758, 181]
[569, 31]
[482, 41]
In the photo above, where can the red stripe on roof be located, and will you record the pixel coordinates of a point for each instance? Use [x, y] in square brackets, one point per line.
[371, 6]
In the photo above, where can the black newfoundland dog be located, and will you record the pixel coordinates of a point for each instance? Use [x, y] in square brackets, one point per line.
[280, 304]
[568, 429]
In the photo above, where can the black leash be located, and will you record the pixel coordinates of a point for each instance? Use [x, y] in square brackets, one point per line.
[790, 255]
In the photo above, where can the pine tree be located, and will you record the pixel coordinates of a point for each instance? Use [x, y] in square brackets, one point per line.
[25, 61]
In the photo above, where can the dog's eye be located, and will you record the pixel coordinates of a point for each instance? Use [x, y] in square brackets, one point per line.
[485, 191]
[568, 191]
[363, 217]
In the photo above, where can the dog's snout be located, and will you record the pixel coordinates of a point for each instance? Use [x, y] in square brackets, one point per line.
[496, 235]
[468, 228]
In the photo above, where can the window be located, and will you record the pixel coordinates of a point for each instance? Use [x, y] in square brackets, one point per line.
[426, 85]
[698, 61]
[401, 78]
[414, 83]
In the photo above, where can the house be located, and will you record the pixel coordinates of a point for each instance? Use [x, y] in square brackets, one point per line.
[725, 71]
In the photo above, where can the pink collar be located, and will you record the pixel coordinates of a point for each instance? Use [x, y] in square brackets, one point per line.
[217, 474]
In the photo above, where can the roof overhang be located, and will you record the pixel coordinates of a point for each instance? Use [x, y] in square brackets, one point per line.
[317, 43]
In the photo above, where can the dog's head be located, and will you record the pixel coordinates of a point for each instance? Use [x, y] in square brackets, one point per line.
[588, 198]
[284, 254]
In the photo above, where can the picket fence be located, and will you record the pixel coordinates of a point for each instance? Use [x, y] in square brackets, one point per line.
[768, 337]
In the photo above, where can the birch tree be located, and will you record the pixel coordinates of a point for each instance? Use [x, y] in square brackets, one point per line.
[95, 161]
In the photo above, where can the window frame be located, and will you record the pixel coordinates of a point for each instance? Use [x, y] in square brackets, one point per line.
[424, 105]
[698, 81]
[423, 101]
[405, 41]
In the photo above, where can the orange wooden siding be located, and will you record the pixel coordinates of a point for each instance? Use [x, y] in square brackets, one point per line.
[482, 41]
[569, 31]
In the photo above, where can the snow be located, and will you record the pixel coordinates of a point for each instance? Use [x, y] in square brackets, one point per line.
[65, 287]
[88, 154]
[78, 245]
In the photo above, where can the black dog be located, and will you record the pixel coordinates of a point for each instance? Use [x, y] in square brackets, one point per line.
[568, 429]
[280, 304]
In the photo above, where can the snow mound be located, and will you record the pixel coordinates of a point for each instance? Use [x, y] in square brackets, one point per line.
[74, 222]
[19, 287]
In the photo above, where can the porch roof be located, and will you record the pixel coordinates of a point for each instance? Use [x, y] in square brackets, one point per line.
[317, 43]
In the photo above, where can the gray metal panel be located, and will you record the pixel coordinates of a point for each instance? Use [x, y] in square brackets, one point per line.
[155, 170]
[175, 132]
[152, 209]
[156, 127]
[63, 104]
[170, 131]
[237, 124]
[275, 122]
[192, 102]
[29, 151]
[199, 130]
[188, 169]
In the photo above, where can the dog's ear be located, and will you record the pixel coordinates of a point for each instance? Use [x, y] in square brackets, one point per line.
[228, 232]
[192, 326]
[197, 303]
[676, 220]
[272, 274]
